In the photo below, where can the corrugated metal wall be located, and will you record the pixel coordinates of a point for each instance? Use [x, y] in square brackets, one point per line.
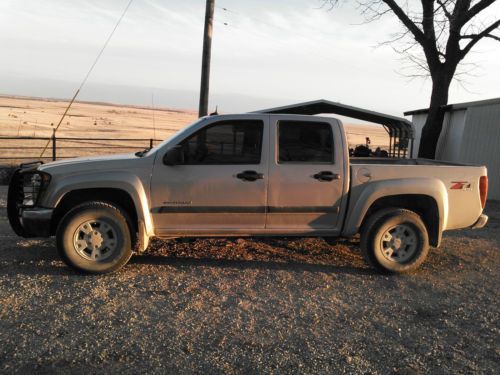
[470, 135]
[481, 143]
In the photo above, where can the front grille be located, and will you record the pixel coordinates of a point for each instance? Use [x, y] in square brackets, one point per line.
[23, 193]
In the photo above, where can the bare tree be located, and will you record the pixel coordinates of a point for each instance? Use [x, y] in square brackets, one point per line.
[436, 36]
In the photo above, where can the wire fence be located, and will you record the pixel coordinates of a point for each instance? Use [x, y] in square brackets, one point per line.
[18, 149]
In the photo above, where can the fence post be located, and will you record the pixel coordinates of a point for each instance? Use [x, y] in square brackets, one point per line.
[150, 142]
[53, 145]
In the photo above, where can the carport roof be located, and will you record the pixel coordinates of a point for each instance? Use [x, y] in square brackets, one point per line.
[322, 106]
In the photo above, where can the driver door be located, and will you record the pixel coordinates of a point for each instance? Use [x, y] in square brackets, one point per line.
[220, 185]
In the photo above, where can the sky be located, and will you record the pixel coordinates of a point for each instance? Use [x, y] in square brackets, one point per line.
[264, 54]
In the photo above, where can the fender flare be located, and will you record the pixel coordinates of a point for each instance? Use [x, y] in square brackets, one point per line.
[366, 194]
[127, 182]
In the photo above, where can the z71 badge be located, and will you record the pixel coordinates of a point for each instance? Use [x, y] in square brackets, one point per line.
[460, 185]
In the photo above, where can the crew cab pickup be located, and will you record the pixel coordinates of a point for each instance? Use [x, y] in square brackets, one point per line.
[246, 175]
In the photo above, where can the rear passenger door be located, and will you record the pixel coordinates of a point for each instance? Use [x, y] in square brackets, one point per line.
[306, 174]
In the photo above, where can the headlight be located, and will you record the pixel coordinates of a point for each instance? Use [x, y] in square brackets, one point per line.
[36, 180]
[33, 184]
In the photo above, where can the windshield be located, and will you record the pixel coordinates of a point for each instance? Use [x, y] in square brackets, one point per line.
[179, 133]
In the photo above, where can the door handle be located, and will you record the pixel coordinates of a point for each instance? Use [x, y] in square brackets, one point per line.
[250, 176]
[326, 176]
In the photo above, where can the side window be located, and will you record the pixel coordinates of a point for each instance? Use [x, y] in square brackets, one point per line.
[305, 142]
[225, 142]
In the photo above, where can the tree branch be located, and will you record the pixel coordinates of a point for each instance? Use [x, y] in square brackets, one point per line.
[473, 36]
[481, 5]
[493, 37]
[486, 33]
[430, 43]
[417, 33]
[442, 5]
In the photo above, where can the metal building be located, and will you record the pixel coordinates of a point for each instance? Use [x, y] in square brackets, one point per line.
[470, 134]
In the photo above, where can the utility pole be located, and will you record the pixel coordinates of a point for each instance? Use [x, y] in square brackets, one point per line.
[205, 62]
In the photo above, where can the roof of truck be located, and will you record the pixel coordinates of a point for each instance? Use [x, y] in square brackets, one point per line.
[322, 106]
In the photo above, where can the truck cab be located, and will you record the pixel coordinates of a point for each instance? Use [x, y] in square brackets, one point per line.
[252, 174]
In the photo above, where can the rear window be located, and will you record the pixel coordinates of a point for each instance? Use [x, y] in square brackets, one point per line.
[305, 142]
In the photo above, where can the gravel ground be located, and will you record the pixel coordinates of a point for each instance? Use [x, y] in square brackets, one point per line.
[252, 306]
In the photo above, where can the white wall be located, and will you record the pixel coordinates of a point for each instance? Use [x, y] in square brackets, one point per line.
[450, 140]
[418, 121]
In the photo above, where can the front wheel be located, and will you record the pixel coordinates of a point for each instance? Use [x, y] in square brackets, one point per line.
[395, 240]
[95, 237]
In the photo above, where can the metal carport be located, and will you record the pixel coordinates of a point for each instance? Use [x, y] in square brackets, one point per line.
[400, 130]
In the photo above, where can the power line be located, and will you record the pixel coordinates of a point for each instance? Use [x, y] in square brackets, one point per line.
[259, 20]
[106, 43]
[318, 52]
[89, 71]
[226, 10]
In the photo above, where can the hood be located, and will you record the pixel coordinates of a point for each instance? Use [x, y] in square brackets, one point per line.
[93, 163]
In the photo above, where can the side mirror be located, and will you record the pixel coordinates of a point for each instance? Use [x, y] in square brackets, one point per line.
[174, 156]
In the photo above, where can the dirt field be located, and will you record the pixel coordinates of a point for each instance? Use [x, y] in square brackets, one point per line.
[252, 306]
[30, 117]
[37, 117]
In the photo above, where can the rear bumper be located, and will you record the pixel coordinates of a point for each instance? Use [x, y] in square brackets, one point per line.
[36, 222]
[481, 222]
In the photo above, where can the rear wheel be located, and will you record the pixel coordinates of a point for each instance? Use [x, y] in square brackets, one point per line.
[95, 237]
[395, 240]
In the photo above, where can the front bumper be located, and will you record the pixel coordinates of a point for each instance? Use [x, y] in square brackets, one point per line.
[481, 222]
[36, 221]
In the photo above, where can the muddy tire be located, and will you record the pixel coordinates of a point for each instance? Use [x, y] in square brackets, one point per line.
[95, 237]
[395, 240]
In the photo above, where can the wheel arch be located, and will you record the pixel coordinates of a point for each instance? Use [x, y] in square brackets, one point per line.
[423, 205]
[73, 198]
[426, 196]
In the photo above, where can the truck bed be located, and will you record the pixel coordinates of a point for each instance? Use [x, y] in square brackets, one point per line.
[456, 186]
[399, 161]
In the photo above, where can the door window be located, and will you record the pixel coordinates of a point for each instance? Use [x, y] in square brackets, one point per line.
[305, 142]
[226, 142]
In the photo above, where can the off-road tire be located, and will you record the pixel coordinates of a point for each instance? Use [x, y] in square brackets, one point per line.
[372, 242]
[114, 217]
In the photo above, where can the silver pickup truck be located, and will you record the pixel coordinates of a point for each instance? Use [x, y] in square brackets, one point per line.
[246, 175]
